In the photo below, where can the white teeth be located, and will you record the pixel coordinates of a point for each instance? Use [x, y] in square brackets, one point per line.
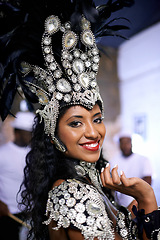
[92, 145]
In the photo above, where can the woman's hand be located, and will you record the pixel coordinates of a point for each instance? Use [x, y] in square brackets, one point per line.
[135, 187]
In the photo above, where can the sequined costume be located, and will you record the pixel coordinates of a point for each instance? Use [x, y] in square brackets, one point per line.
[83, 206]
[51, 53]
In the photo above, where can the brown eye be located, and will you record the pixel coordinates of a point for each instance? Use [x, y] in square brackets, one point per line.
[75, 124]
[98, 120]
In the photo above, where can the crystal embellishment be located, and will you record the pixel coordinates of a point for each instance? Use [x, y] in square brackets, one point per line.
[77, 87]
[71, 202]
[63, 85]
[43, 98]
[65, 222]
[88, 38]
[72, 78]
[52, 66]
[47, 41]
[51, 88]
[76, 53]
[59, 96]
[84, 80]
[93, 208]
[93, 83]
[49, 58]
[47, 50]
[67, 98]
[52, 24]
[80, 207]
[81, 218]
[78, 66]
[69, 40]
[85, 24]
[75, 210]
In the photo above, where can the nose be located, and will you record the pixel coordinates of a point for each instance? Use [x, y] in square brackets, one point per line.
[91, 131]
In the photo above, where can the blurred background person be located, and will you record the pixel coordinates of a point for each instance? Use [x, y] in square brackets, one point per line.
[133, 164]
[12, 163]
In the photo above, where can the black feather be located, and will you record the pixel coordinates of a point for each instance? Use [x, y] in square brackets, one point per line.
[7, 97]
[21, 29]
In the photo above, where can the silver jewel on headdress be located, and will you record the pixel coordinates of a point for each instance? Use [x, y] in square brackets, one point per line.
[74, 82]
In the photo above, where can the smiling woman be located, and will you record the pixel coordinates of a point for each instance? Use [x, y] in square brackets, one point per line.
[69, 185]
[53, 56]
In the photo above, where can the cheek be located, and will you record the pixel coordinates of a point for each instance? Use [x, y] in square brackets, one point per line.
[63, 135]
[129, 146]
[68, 136]
[103, 131]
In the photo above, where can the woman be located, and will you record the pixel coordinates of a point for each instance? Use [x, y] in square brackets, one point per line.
[65, 175]
[82, 132]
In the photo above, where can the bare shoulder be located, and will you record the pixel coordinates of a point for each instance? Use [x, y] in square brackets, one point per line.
[58, 182]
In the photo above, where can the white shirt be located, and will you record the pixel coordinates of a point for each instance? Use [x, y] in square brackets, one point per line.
[133, 166]
[12, 163]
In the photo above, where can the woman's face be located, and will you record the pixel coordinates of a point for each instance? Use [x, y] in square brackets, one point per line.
[82, 131]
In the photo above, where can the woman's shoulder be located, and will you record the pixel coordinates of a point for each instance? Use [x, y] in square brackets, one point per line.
[57, 183]
[69, 185]
[79, 205]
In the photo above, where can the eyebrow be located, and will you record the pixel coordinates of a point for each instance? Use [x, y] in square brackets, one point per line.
[74, 116]
[97, 114]
[79, 116]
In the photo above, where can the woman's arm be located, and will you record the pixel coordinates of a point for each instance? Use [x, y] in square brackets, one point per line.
[135, 187]
[69, 234]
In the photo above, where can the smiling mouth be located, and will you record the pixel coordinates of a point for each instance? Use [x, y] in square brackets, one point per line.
[91, 146]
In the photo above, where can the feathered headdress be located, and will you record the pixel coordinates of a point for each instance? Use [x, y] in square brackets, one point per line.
[48, 48]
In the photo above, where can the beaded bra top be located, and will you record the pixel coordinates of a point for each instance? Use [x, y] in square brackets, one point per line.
[80, 206]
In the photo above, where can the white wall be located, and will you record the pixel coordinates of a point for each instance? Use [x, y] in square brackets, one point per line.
[139, 73]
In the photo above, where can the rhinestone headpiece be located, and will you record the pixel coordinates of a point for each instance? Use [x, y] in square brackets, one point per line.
[70, 84]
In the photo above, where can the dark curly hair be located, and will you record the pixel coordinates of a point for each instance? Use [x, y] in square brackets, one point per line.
[44, 165]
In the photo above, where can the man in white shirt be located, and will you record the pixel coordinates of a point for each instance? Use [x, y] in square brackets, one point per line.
[133, 165]
[12, 163]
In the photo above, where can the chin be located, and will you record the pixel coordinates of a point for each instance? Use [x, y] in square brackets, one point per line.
[91, 158]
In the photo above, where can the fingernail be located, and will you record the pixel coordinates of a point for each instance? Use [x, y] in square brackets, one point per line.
[115, 165]
[107, 165]
[121, 172]
[102, 169]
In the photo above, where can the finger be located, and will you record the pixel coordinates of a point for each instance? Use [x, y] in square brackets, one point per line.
[102, 177]
[123, 178]
[127, 181]
[115, 176]
[105, 175]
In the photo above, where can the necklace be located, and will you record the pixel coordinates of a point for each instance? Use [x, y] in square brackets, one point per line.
[89, 169]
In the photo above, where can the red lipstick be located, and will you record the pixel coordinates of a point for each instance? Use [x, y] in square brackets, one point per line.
[91, 146]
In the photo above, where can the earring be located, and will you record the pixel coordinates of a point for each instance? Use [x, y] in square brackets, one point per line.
[59, 145]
